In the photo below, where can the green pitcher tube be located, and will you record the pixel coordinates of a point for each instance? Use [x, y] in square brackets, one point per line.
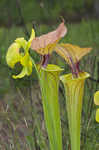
[74, 88]
[49, 83]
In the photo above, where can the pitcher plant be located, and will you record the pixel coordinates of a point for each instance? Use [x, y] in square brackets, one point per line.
[49, 83]
[74, 87]
[48, 75]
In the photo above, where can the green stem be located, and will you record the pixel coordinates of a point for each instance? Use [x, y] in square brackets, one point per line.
[74, 94]
[49, 83]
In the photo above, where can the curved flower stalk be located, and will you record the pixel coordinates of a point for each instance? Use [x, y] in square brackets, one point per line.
[96, 101]
[49, 83]
[14, 55]
[74, 86]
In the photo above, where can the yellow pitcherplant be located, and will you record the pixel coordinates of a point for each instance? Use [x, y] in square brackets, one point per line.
[74, 86]
[49, 84]
[96, 101]
[15, 55]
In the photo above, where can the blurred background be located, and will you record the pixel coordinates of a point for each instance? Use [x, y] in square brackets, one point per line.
[21, 116]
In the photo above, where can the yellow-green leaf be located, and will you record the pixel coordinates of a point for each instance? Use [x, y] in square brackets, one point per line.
[96, 98]
[22, 74]
[26, 60]
[97, 115]
[22, 42]
[13, 56]
[31, 38]
[32, 35]
[25, 71]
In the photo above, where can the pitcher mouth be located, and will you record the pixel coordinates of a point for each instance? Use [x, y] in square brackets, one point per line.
[69, 77]
[52, 68]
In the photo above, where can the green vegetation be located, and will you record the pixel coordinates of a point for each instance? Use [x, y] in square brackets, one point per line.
[20, 103]
[40, 11]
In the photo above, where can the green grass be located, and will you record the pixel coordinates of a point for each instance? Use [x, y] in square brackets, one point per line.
[22, 122]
